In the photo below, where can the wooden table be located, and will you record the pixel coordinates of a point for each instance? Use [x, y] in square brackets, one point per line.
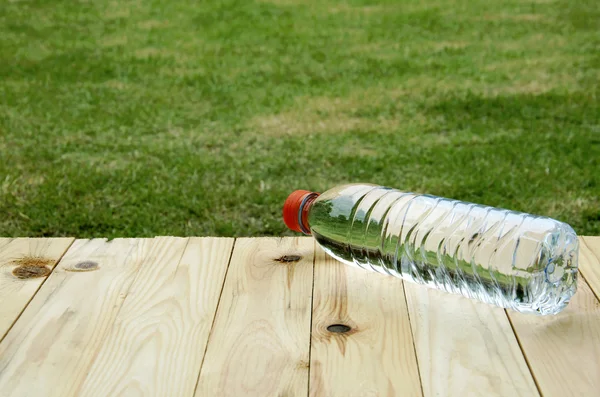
[269, 317]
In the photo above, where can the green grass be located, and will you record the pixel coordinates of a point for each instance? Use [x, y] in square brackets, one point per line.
[143, 118]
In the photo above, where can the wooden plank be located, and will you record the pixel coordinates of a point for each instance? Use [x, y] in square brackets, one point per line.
[158, 341]
[259, 345]
[376, 356]
[589, 263]
[465, 347]
[49, 350]
[24, 265]
[563, 351]
[5, 241]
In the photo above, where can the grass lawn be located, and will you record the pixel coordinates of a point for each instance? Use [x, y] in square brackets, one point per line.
[147, 117]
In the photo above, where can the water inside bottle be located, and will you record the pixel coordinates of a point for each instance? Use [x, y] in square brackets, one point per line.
[510, 259]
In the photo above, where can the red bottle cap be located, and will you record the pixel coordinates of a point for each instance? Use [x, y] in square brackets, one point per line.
[295, 210]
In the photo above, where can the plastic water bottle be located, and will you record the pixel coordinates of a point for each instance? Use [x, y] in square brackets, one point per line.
[510, 259]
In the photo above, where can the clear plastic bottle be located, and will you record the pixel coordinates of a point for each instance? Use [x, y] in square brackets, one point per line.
[514, 260]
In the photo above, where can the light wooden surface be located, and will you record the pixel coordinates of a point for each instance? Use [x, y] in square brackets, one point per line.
[465, 346]
[589, 263]
[59, 334]
[270, 317]
[157, 343]
[379, 345]
[564, 350]
[259, 345]
[19, 259]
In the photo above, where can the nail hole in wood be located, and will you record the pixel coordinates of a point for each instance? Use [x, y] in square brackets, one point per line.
[338, 328]
[288, 258]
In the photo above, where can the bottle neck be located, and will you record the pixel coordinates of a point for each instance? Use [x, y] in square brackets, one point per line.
[303, 211]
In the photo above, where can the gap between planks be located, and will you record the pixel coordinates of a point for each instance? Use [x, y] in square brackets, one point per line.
[214, 317]
[412, 335]
[512, 326]
[312, 299]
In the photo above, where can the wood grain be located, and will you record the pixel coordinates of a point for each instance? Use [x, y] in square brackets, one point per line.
[51, 347]
[563, 351]
[465, 347]
[24, 265]
[5, 241]
[589, 263]
[158, 341]
[376, 356]
[259, 345]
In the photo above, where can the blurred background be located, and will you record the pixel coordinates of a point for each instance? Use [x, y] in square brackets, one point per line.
[147, 117]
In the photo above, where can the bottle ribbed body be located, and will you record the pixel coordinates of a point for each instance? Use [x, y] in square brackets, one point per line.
[515, 260]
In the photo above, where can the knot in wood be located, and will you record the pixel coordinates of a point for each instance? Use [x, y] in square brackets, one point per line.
[288, 258]
[28, 271]
[338, 328]
[86, 266]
